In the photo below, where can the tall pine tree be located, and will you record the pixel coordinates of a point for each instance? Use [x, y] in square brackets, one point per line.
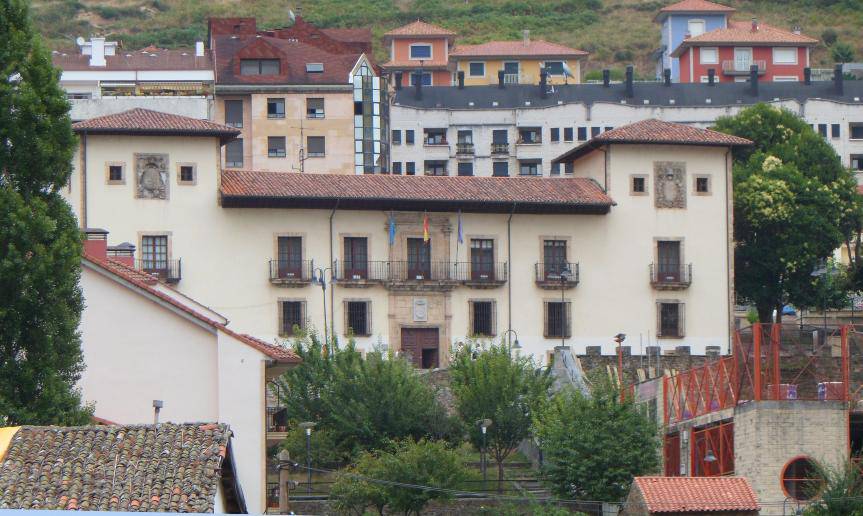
[40, 247]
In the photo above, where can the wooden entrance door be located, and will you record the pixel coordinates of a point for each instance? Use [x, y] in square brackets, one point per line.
[422, 345]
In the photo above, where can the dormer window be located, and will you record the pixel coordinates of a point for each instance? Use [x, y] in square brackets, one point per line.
[259, 67]
[314, 67]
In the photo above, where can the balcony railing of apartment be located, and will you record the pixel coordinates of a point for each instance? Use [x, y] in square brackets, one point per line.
[500, 148]
[557, 275]
[481, 274]
[277, 419]
[464, 148]
[360, 273]
[731, 67]
[670, 276]
[169, 271]
[291, 273]
[511, 78]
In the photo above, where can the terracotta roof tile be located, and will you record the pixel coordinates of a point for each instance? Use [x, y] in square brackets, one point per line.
[145, 59]
[657, 131]
[741, 32]
[535, 47]
[164, 468]
[427, 64]
[697, 494]
[148, 122]
[145, 282]
[488, 194]
[692, 6]
[419, 28]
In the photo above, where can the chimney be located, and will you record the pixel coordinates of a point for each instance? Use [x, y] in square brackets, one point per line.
[199, 49]
[838, 79]
[754, 24]
[666, 76]
[500, 83]
[157, 406]
[687, 35]
[460, 77]
[630, 91]
[796, 30]
[711, 76]
[96, 243]
[525, 37]
[97, 52]
[543, 78]
[123, 253]
[606, 77]
[753, 80]
[398, 80]
[807, 76]
[418, 84]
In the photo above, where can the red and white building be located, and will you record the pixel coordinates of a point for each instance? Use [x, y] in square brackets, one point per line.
[420, 49]
[731, 52]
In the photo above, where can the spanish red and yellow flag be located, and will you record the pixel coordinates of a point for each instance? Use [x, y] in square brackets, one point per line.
[425, 227]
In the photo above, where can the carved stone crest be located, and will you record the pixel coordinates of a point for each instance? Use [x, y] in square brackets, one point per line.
[670, 181]
[151, 171]
[420, 309]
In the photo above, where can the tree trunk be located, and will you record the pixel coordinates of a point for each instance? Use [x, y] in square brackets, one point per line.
[500, 476]
[765, 313]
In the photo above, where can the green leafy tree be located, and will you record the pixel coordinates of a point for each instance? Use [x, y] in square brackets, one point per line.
[40, 248]
[791, 201]
[841, 493]
[842, 52]
[488, 383]
[594, 445]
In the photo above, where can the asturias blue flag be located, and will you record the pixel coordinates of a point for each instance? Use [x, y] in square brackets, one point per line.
[392, 229]
[460, 231]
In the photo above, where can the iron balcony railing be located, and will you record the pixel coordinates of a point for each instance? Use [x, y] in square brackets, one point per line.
[731, 67]
[464, 148]
[557, 273]
[421, 270]
[361, 270]
[475, 273]
[277, 419]
[169, 271]
[480, 272]
[291, 270]
[671, 274]
[500, 148]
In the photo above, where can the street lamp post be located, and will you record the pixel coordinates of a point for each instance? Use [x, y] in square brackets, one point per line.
[565, 276]
[307, 426]
[321, 279]
[510, 345]
[619, 338]
[483, 427]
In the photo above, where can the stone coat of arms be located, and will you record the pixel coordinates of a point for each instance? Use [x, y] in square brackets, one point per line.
[151, 171]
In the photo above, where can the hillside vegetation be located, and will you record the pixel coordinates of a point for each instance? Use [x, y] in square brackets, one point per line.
[615, 32]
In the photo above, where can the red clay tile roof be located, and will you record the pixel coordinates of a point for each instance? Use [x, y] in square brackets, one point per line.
[350, 35]
[157, 59]
[419, 28]
[742, 33]
[696, 6]
[697, 494]
[427, 64]
[145, 282]
[534, 48]
[150, 468]
[449, 193]
[148, 122]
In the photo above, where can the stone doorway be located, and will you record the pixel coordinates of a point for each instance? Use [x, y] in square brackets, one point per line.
[422, 345]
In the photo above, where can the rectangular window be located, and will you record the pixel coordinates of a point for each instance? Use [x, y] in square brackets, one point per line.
[511, 68]
[555, 134]
[608, 128]
[275, 108]
[419, 258]
[567, 167]
[290, 258]
[314, 108]
[465, 136]
[115, 174]
[292, 318]
[529, 135]
[426, 78]
[695, 28]
[465, 168]
[434, 137]
[397, 137]
[476, 69]
[582, 134]
[356, 258]
[594, 131]
[316, 146]
[276, 147]
[639, 185]
[670, 319]
[702, 184]
[234, 153]
[834, 130]
[785, 55]
[567, 134]
[557, 319]
[500, 169]
[530, 167]
[499, 136]
[410, 168]
[670, 269]
[555, 169]
[482, 318]
[482, 259]
[234, 113]
[554, 256]
[709, 55]
[314, 67]
[187, 174]
[420, 51]
[358, 320]
[435, 167]
[397, 168]
[409, 136]
[259, 67]
[822, 130]
[856, 129]
[154, 254]
[554, 67]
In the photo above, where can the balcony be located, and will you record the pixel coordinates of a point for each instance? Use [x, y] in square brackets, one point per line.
[360, 273]
[291, 273]
[511, 78]
[500, 149]
[464, 149]
[481, 274]
[731, 67]
[553, 276]
[666, 276]
[529, 136]
[169, 271]
[277, 423]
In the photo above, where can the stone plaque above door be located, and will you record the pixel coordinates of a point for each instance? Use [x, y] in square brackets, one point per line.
[420, 309]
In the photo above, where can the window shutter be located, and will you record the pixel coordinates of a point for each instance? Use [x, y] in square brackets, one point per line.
[493, 319]
[368, 318]
[470, 322]
[681, 322]
[567, 306]
[280, 321]
[659, 319]
[545, 319]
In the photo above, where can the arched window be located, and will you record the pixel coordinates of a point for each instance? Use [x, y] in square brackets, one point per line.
[801, 479]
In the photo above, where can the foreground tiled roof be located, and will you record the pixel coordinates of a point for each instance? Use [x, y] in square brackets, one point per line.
[742, 33]
[534, 47]
[419, 28]
[657, 131]
[146, 59]
[697, 494]
[147, 122]
[164, 468]
[693, 6]
[490, 194]
[146, 283]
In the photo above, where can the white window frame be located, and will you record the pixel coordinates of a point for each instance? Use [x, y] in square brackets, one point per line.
[701, 55]
[411, 52]
[751, 57]
[696, 20]
[786, 63]
[469, 74]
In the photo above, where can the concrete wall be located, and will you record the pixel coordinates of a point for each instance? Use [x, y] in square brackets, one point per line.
[193, 107]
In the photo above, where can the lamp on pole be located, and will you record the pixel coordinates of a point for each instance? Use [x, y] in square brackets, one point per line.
[619, 338]
[483, 425]
[709, 457]
[511, 345]
[321, 279]
[565, 276]
[307, 426]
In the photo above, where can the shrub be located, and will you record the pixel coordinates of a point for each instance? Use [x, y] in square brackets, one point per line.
[829, 36]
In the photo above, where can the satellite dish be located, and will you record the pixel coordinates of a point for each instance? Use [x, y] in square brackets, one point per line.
[291, 15]
[79, 40]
